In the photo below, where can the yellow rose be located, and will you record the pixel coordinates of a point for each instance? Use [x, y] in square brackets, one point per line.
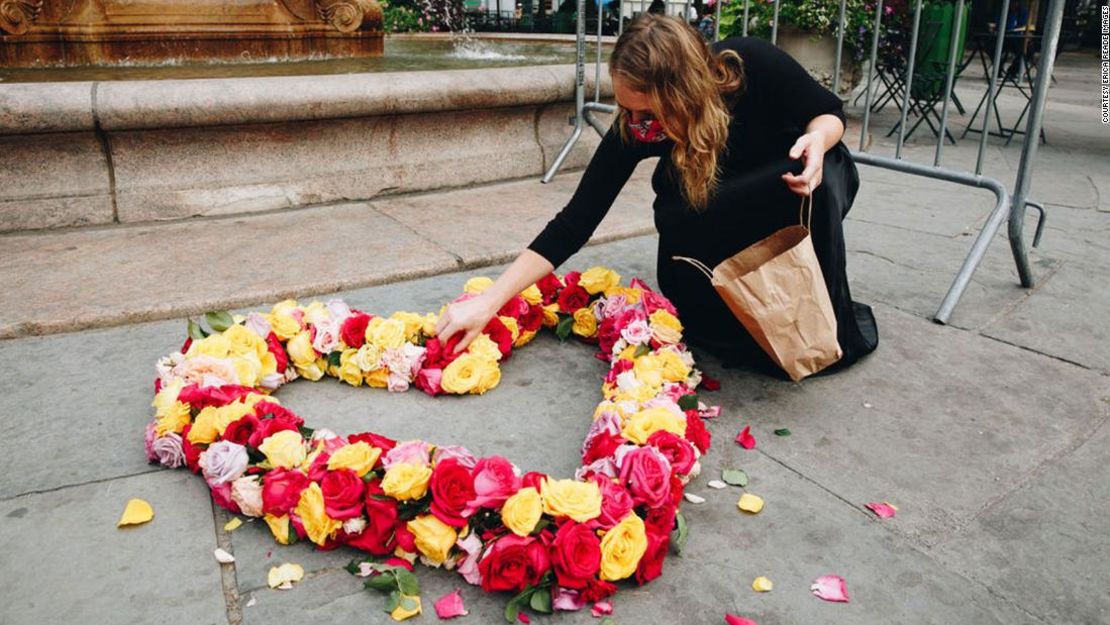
[216, 346]
[248, 367]
[631, 295]
[522, 511]
[524, 339]
[597, 279]
[269, 364]
[167, 397]
[622, 547]
[173, 419]
[368, 357]
[551, 315]
[665, 327]
[316, 312]
[413, 324]
[649, 370]
[310, 510]
[359, 457]
[580, 501]
[284, 326]
[406, 482]
[585, 323]
[386, 333]
[674, 370]
[245, 341]
[483, 347]
[349, 370]
[378, 378]
[279, 527]
[284, 449]
[532, 295]
[489, 377]
[628, 353]
[429, 324]
[300, 349]
[477, 285]
[640, 426]
[313, 371]
[212, 421]
[470, 374]
[434, 538]
[511, 324]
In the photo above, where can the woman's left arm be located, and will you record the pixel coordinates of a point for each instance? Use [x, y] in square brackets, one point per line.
[822, 133]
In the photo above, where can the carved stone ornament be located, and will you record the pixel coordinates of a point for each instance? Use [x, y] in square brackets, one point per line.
[16, 15]
[347, 16]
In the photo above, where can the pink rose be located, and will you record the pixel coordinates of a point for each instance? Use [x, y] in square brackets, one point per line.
[468, 566]
[616, 503]
[647, 473]
[428, 380]
[247, 493]
[167, 450]
[223, 461]
[637, 333]
[459, 453]
[495, 480]
[409, 452]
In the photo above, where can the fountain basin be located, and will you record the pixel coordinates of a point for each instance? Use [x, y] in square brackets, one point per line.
[93, 153]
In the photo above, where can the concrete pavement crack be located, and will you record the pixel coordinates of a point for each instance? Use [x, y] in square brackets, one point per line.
[87, 483]
[458, 259]
[228, 572]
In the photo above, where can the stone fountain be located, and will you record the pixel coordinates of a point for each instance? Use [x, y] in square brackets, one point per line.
[37, 33]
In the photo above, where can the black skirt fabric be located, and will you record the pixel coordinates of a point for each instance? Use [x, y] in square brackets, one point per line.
[749, 208]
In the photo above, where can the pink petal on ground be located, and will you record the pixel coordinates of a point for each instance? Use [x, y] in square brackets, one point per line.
[602, 608]
[745, 438]
[881, 510]
[732, 619]
[523, 618]
[450, 605]
[830, 588]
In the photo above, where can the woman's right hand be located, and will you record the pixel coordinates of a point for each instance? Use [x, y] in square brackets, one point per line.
[469, 317]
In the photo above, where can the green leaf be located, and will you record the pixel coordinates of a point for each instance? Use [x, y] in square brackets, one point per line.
[352, 566]
[679, 535]
[541, 601]
[563, 329]
[407, 582]
[641, 350]
[736, 477]
[782, 432]
[408, 603]
[608, 620]
[334, 358]
[394, 601]
[219, 321]
[383, 582]
[688, 402]
[512, 609]
[195, 331]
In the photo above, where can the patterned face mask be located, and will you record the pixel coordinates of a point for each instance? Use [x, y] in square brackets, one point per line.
[648, 130]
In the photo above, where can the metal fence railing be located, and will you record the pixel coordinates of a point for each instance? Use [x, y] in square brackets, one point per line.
[1010, 202]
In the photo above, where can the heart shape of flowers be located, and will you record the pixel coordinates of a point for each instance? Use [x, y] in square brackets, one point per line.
[556, 543]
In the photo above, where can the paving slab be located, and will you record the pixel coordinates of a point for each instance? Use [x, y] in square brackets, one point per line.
[63, 560]
[936, 207]
[503, 219]
[1046, 545]
[1065, 317]
[937, 421]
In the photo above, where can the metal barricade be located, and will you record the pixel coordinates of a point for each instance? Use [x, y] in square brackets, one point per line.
[1010, 203]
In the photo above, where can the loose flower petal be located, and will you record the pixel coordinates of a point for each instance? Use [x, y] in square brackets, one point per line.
[750, 503]
[745, 438]
[233, 524]
[736, 477]
[602, 608]
[830, 588]
[450, 605]
[717, 484]
[523, 618]
[692, 498]
[283, 577]
[732, 619]
[762, 584]
[223, 557]
[137, 512]
[882, 510]
[403, 611]
[709, 383]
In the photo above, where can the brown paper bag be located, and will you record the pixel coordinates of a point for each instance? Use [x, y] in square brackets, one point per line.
[777, 291]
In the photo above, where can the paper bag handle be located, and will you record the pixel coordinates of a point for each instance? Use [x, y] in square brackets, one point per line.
[804, 218]
[700, 266]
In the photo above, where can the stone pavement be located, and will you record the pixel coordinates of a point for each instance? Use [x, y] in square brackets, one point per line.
[989, 434]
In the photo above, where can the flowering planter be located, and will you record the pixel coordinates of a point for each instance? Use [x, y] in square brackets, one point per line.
[817, 53]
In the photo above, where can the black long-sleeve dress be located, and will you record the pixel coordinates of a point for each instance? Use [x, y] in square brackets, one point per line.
[778, 101]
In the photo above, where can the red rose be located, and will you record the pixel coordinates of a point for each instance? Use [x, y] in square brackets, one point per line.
[429, 380]
[265, 408]
[576, 555]
[571, 278]
[647, 474]
[651, 564]
[437, 354]
[452, 489]
[677, 489]
[191, 451]
[678, 450]
[353, 330]
[696, 432]
[616, 503]
[596, 590]
[273, 344]
[572, 298]
[379, 537]
[494, 482]
[343, 493]
[201, 397]
[549, 286]
[661, 520]
[515, 307]
[500, 335]
[513, 563]
[221, 494]
[281, 490]
[374, 440]
[405, 539]
[266, 427]
[602, 446]
[608, 333]
[533, 479]
[240, 430]
[618, 368]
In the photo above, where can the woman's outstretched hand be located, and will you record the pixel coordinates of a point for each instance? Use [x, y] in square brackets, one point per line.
[810, 147]
[468, 317]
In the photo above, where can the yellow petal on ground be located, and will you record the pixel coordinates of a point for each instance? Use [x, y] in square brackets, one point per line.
[233, 524]
[762, 584]
[750, 503]
[401, 613]
[137, 512]
[285, 576]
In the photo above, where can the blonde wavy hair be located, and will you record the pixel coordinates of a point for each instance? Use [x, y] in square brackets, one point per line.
[689, 87]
